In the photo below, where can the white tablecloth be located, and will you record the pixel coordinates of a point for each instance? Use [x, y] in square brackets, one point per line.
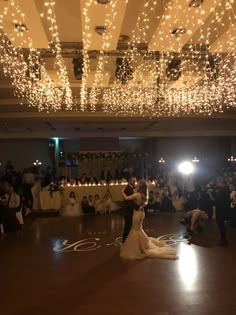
[60, 199]
[50, 201]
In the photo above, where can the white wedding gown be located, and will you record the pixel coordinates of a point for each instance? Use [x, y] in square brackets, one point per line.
[138, 245]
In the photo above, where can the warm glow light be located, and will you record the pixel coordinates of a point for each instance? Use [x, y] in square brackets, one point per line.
[186, 168]
[37, 163]
[232, 159]
[195, 160]
[187, 266]
[190, 75]
[26, 67]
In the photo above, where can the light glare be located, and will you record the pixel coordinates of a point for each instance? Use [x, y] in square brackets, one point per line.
[186, 168]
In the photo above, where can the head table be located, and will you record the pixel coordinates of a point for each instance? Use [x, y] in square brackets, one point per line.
[57, 199]
[86, 190]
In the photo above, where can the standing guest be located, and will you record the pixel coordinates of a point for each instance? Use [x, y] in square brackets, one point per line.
[83, 179]
[28, 181]
[222, 206]
[118, 174]
[233, 205]
[9, 167]
[106, 175]
[129, 206]
[35, 191]
[206, 200]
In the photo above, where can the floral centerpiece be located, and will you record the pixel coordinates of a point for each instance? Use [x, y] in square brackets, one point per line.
[53, 187]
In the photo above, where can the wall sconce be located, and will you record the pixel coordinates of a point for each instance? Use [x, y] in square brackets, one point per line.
[37, 163]
[195, 160]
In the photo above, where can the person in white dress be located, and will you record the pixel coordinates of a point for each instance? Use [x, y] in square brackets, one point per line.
[138, 245]
[72, 208]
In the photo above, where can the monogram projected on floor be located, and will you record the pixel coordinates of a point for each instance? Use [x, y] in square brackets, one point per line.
[173, 239]
[86, 245]
[91, 244]
[117, 242]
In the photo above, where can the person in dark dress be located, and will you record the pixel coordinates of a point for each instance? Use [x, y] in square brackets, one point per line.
[129, 206]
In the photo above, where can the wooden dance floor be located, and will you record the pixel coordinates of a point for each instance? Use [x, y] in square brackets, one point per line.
[71, 266]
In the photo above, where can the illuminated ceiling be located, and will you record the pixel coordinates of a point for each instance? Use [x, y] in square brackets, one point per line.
[124, 61]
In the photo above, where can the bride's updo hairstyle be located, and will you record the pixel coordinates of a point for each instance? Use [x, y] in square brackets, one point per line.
[142, 189]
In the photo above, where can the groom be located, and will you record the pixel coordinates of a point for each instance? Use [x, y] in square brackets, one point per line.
[129, 206]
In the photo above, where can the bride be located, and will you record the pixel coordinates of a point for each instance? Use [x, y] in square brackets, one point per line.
[138, 245]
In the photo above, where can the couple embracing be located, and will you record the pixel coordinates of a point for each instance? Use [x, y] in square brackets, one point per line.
[136, 243]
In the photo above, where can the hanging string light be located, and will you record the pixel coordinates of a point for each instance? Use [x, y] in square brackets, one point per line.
[189, 67]
[26, 67]
[106, 41]
[187, 79]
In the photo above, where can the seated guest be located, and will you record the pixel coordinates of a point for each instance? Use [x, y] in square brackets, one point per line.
[91, 204]
[14, 200]
[109, 205]
[106, 175]
[83, 179]
[193, 221]
[12, 204]
[85, 205]
[72, 207]
[92, 180]
[98, 204]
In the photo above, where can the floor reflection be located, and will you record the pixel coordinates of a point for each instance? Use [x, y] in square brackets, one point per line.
[188, 267]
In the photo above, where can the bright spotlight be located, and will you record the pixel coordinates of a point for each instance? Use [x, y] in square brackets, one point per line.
[186, 168]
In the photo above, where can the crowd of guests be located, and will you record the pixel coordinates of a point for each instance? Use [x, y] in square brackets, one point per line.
[90, 205]
[19, 194]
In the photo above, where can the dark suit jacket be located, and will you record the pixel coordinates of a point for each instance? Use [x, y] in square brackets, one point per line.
[129, 205]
